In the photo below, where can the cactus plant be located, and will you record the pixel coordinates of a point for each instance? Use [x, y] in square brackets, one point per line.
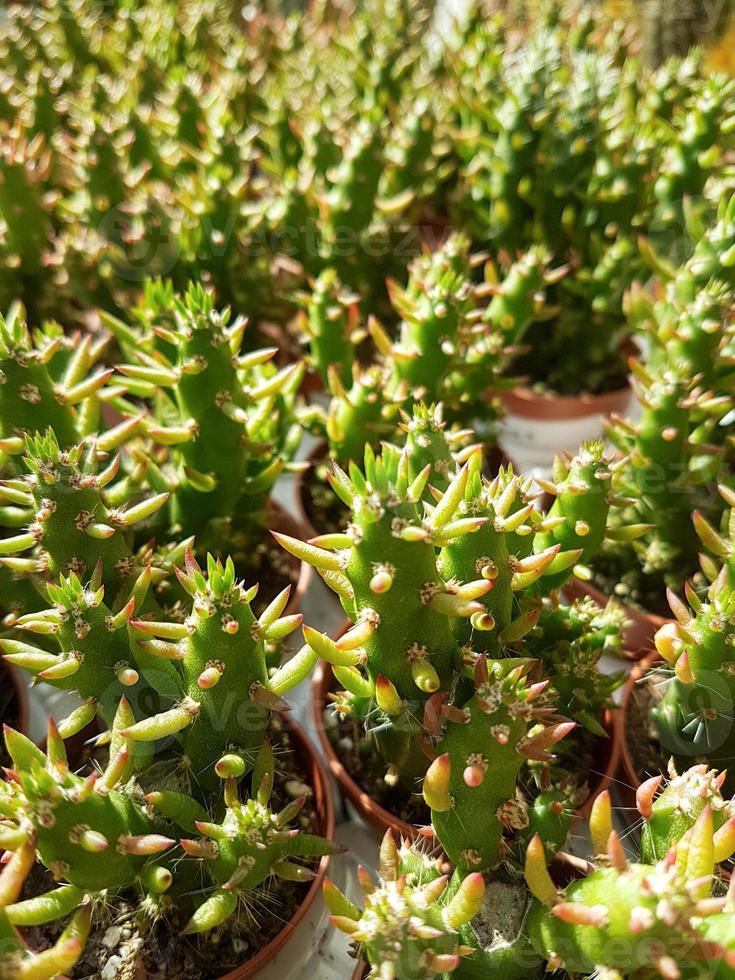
[677, 449]
[403, 541]
[663, 918]
[65, 821]
[692, 719]
[212, 670]
[225, 418]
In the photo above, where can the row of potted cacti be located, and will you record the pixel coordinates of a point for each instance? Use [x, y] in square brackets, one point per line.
[177, 139]
[461, 646]
[474, 729]
[290, 164]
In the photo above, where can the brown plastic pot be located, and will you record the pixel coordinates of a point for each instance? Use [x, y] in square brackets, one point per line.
[642, 627]
[526, 402]
[280, 520]
[317, 778]
[609, 763]
[630, 780]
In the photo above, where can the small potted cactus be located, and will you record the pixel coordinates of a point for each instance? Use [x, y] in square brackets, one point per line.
[576, 153]
[219, 426]
[478, 571]
[455, 340]
[668, 914]
[197, 800]
[677, 450]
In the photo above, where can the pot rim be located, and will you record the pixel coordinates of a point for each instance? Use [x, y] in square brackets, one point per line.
[324, 805]
[524, 401]
[296, 528]
[605, 776]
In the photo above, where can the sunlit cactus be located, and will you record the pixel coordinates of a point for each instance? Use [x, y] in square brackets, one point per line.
[44, 384]
[330, 321]
[409, 924]
[92, 836]
[471, 786]
[225, 691]
[70, 509]
[226, 417]
[251, 843]
[669, 918]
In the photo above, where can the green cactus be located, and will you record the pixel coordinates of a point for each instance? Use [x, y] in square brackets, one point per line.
[329, 323]
[665, 478]
[42, 386]
[507, 717]
[251, 843]
[227, 419]
[693, 718]
[74, 514]
[638, 919]
[225, 692]
[411, 921]
[390, 549]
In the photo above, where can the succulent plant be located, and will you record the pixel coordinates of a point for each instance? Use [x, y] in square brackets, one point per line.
[410, 923]
[226, 419]
[665, 918]
[693, 717]
[678, 448]
[66, 822]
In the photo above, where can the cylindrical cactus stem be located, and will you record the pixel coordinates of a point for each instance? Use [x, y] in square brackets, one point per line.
[580, 510]
[472, 785]
[227, 691]
[229, 419]
[71, 527]
[330, 319]
[385, 571]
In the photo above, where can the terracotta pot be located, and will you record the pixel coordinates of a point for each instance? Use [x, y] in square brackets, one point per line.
[317, 778]
[609, 763]
[280, 520]
[548, 406]
[630, 780]
[13, 696]
[538, 427]
[370, 812]
[642, 626]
